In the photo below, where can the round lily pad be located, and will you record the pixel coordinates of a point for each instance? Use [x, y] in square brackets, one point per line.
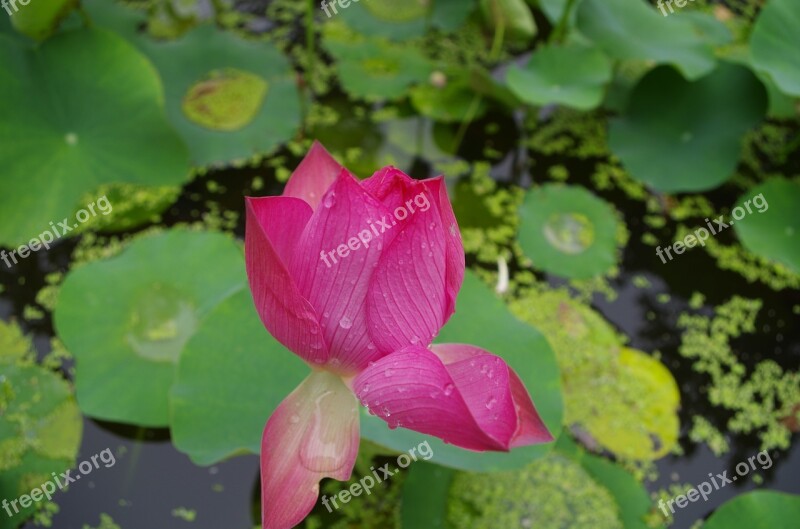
[772, 227]
[226, 389]
[226, 100]
[39, 20]
[40, 425]
[678, 135]
[374, 68]
[484, 320]
[267, 115]
[404, 19]
[574, 76]
[759, 509]
[643, 423]
[514, 16]
[568, 231]
[127, 319]
[774, 44]
[632, 29]
[57, 145]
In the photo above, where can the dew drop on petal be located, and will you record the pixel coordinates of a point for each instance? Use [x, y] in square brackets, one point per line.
[345, 322]
[329, 200]
[448, 390]
[414, 340]
[490, 403]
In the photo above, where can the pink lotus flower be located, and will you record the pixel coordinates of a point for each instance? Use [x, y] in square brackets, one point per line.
[357, 278]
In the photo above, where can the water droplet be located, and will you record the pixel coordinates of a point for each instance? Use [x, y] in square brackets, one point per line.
[294, 419]
[386, 412]
[387, 372]
[484, 369]
[448, 390]
[371, 347]
[365, 389]
[329, 200]
[345, 322]
[472, 363]
[490, 403]
[326, 314]
[414, 340]
[453, 229]
[433, 225]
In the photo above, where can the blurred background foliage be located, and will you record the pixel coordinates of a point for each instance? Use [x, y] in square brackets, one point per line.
[577, 136]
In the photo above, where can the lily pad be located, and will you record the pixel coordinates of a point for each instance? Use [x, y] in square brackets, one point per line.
[631, 29]
[227, 100]
[482, 319]
[58, 145]
[513, 16]
[759, 509]
[652, 402]
[264, 120]
[568, 231]
[127, 319]
[40, 19]
[551, 493]
[425, 494]
[678, 135]
[404, 19]
[232, 381]
[448, 97]
[40, 425]
[374, 68]
[574, 76]
[772, 232]
[774, 44]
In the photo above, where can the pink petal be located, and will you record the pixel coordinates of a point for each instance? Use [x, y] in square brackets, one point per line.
[414, 389]
[336, 285]
[530, 427]
[455, 247]
[408, 294]
[313, 434]
[273, 227]
[315, 174]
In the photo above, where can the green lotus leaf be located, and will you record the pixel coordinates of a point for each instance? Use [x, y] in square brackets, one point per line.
[678, 135]
[633, 500]
[514, 16]
[643, 424]
[709, 28]
[631, 29]
[774, 44]
[448, 97]
[403, 19]
[550, 493]
[231, 380]
[374, 68]
[568, 231]
[127, 319]
[57, 145]
[260, 87]
[574, 76]
[425, 494]
[759, 509]
[226, 100]
[39, 20]
[40, 425]
[771, 232]
[483, 320]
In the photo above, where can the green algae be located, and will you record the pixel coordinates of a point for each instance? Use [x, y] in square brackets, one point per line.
[761, 402]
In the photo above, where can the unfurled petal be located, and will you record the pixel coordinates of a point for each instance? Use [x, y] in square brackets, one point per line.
[407, 298]
[273, 227]
[339, 251]
[313, 434]
[482, 367]
[459, 402]
[315, 174]
[455, 247]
